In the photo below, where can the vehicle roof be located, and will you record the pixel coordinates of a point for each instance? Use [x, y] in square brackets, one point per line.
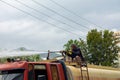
[13, 65]
[21, 64]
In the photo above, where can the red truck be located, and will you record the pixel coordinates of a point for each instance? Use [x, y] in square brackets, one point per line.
[24, 70]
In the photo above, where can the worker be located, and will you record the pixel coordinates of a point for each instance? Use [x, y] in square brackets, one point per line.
[75, 53]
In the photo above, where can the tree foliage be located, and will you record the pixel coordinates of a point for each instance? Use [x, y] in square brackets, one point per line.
[31, 58]
[102, 48]
[94, 42]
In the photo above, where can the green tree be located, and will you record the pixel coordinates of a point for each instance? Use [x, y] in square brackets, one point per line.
[35, 57]
[102, 48]
[110, 49]
[94, 40]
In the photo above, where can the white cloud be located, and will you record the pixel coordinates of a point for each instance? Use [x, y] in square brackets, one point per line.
[114, 30]
[113, 16]
[13, 26]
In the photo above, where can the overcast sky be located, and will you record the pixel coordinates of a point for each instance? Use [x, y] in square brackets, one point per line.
[33, 30]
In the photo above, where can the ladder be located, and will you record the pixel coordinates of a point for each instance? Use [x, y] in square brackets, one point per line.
[84, 72]
[83, 69]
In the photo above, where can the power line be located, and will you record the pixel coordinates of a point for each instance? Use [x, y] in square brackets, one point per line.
[74, 13]
[60, 14]
[39, 18]
[45, 14]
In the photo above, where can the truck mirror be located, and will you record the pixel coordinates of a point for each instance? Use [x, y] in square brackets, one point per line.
[41, 77]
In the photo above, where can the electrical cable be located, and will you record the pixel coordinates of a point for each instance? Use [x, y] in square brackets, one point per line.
[68, 10]
[60, 14]
[39, 18]
[46, 14]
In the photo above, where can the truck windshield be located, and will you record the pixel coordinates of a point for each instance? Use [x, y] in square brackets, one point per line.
[16, 74]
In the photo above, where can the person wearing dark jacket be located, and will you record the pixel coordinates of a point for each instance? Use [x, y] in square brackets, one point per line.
[75, 53]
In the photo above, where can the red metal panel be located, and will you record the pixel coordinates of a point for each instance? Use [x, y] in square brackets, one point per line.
[26, 72]
[60, 71]
[48, 72]
[14, 65]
